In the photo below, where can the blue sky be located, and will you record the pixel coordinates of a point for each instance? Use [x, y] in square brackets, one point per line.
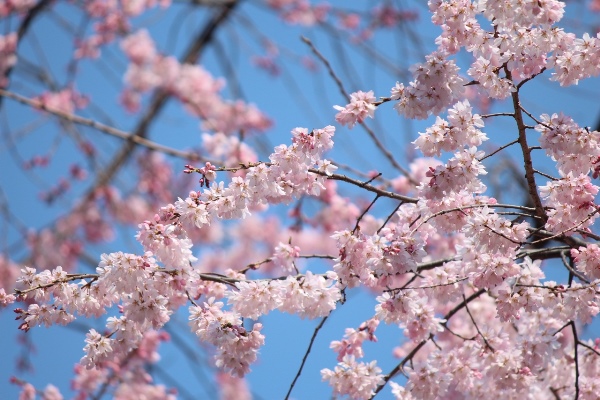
[282, 98]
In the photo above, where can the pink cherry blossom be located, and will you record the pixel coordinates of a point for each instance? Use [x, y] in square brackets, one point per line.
[360, 106]
[354, 379]
[454, 245]
[587, 260]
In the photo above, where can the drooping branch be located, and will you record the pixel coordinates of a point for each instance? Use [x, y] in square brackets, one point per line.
[137, 139]
[388, 155]
[160, 97]
[310, 345]
[31, 15]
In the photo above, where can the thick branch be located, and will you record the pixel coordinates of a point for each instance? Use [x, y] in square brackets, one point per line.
[528, 162]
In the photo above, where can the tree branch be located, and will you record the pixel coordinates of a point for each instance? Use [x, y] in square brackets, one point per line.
[160, 97]
[312, 341]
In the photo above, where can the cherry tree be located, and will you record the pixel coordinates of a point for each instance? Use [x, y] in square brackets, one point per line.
[471, 232]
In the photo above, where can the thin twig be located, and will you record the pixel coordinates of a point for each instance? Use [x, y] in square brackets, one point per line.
[567, 264]
[576, 359]
[559, 289]
[499, 149]
[370, 132]
[336, 177]
[312, 341]
[561, 328]
[330, 70]
[500, 114]
[589, 348]
[389, 217]
[545, 175]
[524, 81]
[566, 230]
[400, 366]
[542, 254]
[191, 299]
[191, 156]
[428, 287]
[462, 208]
[534, 118]
[360, 217]
[363, 185]
[69, 278]
[476, 326]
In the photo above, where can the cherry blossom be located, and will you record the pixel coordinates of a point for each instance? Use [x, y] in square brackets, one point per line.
[436, 84]
[572, 203]
[574, 149]
[285, 255]
[360, 107]
[448, 253]
[353, 339]
[354, 379]
[586, 260]
[460, 130]
[236, 347]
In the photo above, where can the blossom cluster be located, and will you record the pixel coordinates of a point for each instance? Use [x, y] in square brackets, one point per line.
[459, 174]
[355, 379]
[587, 260]
[460, 130]
[354, 338]
[111, 20]
[372, 259]
[236, 347]
[287, 176]
[574, 149]
[436, 85]
[571, 203]
[360, 106]
[576, 59]
[309, 296]
[411, 310]
[285, 255]
[195, 87]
